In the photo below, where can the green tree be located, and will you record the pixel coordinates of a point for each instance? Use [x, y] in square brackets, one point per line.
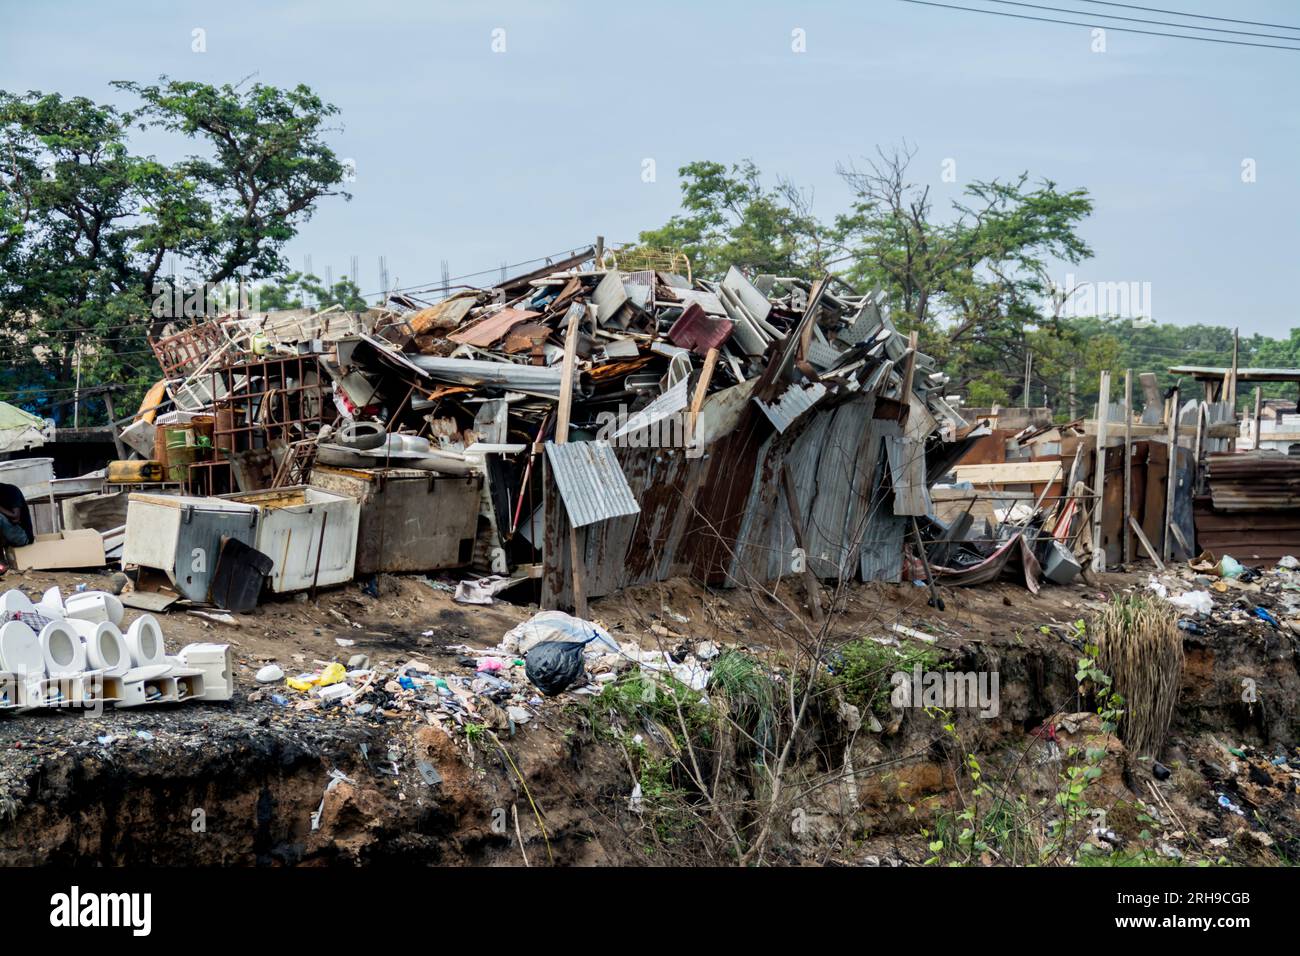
[972, 282]
[87, 226]
[298, 290]
[729, 217]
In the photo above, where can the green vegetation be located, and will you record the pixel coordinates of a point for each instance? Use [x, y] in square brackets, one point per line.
[976, 280]
[865, 669]
[99, 244]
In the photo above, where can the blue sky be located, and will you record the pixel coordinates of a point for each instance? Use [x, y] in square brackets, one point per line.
[481, 157]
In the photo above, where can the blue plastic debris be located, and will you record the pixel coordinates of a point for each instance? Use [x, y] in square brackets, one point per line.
[1263, 614]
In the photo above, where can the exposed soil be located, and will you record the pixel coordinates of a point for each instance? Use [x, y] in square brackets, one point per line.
[238, 783]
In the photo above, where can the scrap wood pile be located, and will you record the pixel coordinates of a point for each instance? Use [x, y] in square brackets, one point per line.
[654, 417]
[1019, 525]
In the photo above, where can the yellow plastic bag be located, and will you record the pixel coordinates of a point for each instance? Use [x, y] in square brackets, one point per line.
[332, 674]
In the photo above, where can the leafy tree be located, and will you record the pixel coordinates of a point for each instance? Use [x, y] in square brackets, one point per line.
[729, 217]
[298, 290]
[972, 283]
[87, 226]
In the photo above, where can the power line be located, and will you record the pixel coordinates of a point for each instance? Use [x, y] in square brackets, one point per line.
[1076, 23]
[1197, 16]
[1162, 23]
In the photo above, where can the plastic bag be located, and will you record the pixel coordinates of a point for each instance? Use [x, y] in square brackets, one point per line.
[554, 626]
[1230, 567]
[554, 666]
[1198, 601]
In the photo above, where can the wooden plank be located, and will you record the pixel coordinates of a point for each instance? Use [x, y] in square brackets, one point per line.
[1198, 446]
[1172, 484]
[574, 315]
[701, 390]
[1146, 545]
[1010, 473]
[576, 563]
[1099, 480]
[1257, 409]
[1128, 466]
[910, 369]
[796, 523]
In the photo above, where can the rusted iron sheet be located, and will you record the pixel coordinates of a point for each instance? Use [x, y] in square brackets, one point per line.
[625, 551]
[722, 518]
[1254, 481]
[1249, 536]
[698, 331]
[493, 329]
[444, 316]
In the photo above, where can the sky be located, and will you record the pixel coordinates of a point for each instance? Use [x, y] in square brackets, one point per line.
[499, 132]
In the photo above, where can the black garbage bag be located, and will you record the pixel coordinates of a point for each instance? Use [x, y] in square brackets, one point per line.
[554, 666]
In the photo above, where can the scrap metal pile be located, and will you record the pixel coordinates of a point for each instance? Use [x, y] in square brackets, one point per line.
[638, 421]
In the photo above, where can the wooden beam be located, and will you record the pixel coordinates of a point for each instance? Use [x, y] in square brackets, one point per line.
[1010, 473]
[117, 439]
[1171, 486]
[1258, 409]
[1146, 545]
[1128, 465]
[810, 583]
[574, 315]
[1198, 445]
[909, 371]
[1232, 383]
[1099, 484]
[701, 391]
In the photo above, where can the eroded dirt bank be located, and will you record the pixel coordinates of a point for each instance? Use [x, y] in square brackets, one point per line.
[628, 777]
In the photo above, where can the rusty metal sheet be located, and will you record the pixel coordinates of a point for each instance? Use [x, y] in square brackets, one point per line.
[444, 316]
[699, 332]
[492, 329]
[1249, 536]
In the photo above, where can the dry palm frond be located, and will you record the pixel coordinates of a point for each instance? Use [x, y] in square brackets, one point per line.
[1141, 648]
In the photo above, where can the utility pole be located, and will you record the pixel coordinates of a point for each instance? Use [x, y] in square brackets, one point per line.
[1029, 364]
[1074, 409]
[76, 392]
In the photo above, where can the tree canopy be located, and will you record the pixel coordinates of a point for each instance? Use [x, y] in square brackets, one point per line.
[88, 226]
[973, 279]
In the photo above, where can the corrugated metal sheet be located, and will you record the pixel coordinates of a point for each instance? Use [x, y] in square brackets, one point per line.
[669, 403]
[1254, 481]
[907, 468]
[590, 481]
[796, 400]
[609, 298]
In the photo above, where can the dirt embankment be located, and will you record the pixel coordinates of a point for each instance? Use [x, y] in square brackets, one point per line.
[261, 781]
